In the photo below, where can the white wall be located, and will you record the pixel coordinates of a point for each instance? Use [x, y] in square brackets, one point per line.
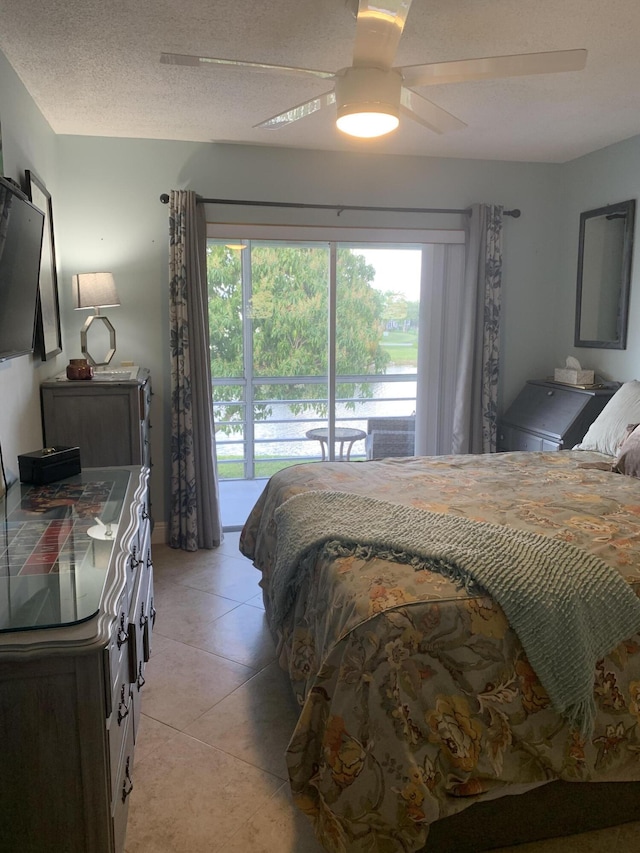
[28, 143]
[604, 177]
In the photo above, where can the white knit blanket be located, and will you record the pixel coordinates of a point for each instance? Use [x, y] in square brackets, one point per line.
[567, 607]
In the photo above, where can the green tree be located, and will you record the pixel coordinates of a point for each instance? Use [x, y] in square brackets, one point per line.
[413, 313]
[289, 322]
[395, 307]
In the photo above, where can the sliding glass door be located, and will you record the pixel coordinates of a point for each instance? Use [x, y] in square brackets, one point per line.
[311, 342]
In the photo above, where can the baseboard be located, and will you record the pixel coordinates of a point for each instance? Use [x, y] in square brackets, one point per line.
[160, 534]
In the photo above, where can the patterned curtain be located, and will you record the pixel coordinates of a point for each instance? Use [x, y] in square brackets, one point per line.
[475, 417]
[194, 514]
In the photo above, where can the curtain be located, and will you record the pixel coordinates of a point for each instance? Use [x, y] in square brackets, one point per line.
[440, 327]
[194, 513]
[475, 407]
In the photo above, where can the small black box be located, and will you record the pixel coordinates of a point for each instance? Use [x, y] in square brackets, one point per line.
[49, 465]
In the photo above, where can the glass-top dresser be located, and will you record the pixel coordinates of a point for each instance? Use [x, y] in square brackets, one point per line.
[76, 621]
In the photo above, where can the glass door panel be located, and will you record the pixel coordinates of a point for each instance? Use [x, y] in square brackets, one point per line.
[226, 336]
[377, 311]
[274, 346]
[288, 369]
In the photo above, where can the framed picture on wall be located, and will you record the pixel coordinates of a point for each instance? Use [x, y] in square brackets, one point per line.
[48, 333]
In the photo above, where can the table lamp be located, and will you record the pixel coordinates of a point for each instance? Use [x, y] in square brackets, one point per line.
[95, 290]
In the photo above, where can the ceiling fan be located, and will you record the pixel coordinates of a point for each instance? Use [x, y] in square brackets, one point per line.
[371, 94]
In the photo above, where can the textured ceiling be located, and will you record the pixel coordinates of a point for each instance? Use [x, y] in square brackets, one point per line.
[93, 68]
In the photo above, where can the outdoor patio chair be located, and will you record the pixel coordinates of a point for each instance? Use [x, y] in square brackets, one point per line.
[393, 436]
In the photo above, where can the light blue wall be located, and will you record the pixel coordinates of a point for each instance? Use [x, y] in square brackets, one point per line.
[28, 143]
[108, 216]
[604, 177]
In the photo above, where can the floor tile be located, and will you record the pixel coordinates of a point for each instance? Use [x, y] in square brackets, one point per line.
[188, 794]
[183, 682]
[230, 543]
[241, 635]
[254, 723]
[150, 735]
[276, 827]
[256, 601]
[180, 610]
[233, 577]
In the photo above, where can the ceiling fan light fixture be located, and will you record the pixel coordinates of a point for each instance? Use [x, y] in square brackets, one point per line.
[368, 101]
[365, 124]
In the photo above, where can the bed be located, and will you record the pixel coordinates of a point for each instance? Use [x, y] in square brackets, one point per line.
[418, 704]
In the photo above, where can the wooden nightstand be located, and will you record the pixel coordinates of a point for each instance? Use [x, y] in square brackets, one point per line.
[107, 417]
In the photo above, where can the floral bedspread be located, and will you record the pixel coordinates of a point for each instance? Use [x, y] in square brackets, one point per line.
[416, 698]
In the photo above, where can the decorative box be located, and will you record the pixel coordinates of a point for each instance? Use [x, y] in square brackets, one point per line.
[48, 465]
[572, 376]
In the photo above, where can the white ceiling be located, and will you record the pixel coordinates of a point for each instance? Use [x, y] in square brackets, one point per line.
[93, 68]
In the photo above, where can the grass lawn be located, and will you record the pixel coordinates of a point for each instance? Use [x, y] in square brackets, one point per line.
[401, 346]
[234, 470]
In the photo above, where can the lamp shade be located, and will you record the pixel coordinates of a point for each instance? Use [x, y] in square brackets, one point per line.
[94, 290]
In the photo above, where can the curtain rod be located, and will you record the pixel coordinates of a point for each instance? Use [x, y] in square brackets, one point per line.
[164, 198]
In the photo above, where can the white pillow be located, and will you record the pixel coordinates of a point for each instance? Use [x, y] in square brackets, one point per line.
[608, 431]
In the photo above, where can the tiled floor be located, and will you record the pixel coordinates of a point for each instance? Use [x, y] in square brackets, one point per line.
[237, 498]
[209, 772]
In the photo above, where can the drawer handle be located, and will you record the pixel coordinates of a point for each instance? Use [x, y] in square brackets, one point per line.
[152, 614]
[123, 636]
[143, 619]
[140, 680]
[149, 561]
[145, 514]
[133, 561]
[125, 705]
[126, 790]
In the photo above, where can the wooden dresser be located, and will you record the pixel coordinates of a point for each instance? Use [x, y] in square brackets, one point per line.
[550, 416]
[76, 621]
[107, 417]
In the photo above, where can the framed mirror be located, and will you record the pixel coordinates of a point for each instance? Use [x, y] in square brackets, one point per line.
[605, 249]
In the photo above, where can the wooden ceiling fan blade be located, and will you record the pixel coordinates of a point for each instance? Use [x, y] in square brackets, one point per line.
[493, 67]
[378, 29]
[301, 111]
[427, 113]
[203, 61]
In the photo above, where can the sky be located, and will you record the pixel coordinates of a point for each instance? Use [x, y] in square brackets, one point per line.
[397, 270]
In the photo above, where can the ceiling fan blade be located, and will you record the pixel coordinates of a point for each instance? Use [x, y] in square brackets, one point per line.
[427, 113]
[301, 111]
[202, 61]
[378, 29]
[468, 70]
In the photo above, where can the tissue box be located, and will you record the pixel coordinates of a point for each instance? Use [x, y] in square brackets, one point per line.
[571, 376]
[41, 467]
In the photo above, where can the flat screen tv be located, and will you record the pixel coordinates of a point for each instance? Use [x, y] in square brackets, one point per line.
[21, 228]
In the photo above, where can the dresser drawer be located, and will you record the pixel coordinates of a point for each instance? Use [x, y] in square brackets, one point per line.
[141, 630]
[117, 728]
[123, 786]
[510, 438]
[117, 656]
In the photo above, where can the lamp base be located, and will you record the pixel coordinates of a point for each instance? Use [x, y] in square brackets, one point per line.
[112, 340]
